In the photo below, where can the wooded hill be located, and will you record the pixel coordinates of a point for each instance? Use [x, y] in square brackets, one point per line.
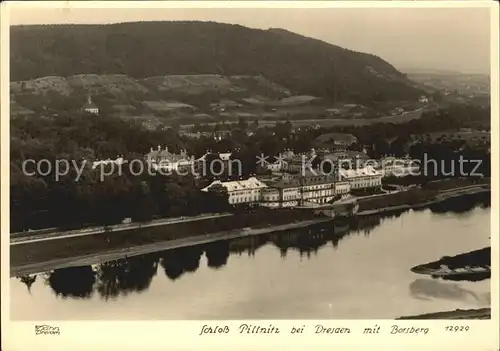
[303, 65]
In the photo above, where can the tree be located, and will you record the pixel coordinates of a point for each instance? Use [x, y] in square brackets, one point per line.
[216, 199]
[398, 147]
[381, 148]
[242, 124]
[355, 147]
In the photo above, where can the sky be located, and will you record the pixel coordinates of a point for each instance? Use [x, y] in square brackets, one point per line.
[422, 38]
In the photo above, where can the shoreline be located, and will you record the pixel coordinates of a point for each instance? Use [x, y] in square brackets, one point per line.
[110, 229]
[480, 313]
[97, 255]
[473, 265]
[442, 196]
[95, 258]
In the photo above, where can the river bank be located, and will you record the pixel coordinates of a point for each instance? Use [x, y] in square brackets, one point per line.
[368, 206]
[481, 313]
[391, 202]
[31, 254]
[106, 254]
[33, 236]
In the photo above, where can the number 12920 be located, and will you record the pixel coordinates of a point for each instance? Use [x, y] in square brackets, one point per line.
[456, 328]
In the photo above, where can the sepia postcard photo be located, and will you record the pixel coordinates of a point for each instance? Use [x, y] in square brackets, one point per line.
[227, 166]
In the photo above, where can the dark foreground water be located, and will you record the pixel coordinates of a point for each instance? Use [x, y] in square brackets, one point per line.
[353, 270]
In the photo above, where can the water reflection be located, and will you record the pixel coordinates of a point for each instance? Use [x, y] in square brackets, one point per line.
[217, 254]
[75, 282]
[427, 289]
[123, 276]
[176, 262]
[249, 244]
[134, 274]
[112, 279]
[28, 280]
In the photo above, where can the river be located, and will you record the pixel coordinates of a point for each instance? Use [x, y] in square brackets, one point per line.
[353, 270]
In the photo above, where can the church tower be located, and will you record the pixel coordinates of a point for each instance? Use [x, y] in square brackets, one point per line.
[89, 106]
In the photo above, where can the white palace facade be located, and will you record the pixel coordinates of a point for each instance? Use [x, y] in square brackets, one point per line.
[299, 190]
[362, 178]
[287, 192]
[239, 192]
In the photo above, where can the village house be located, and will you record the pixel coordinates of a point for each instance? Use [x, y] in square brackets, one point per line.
[335, 112]
[423, 99]
[216, 135]
[196, 135]
[345, 159]
[397, 111]
[277, 166]
[219, 163]
[281, 162]
[224, 156]
[287, 155]
[334, 140]
[101, 163]
[222, 134]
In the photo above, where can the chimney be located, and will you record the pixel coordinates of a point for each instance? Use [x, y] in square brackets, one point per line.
[151, 150]
[159, 148]
[166, 148]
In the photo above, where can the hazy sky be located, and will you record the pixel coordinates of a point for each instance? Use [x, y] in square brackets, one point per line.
[442, 38]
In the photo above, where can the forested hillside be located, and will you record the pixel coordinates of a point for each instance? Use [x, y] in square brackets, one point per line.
[140, 50]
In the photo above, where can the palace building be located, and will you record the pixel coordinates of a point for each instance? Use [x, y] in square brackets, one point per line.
[362, 178]
[163, 160]
[292, 191]
[247, 191]
[399, 167]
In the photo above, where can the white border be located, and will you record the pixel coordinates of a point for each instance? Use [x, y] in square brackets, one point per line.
[483, 335]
